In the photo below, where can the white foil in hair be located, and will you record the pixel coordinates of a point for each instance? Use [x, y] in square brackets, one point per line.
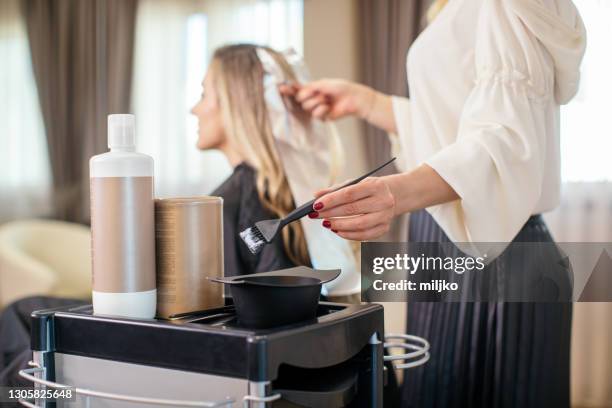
[311, 156]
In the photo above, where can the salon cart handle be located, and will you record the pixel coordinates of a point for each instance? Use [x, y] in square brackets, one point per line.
[418, 355]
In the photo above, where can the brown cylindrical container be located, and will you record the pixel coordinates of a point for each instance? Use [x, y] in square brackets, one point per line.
[189, 248]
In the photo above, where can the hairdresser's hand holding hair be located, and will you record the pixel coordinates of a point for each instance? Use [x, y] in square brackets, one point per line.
[331, 99]
[365, 211]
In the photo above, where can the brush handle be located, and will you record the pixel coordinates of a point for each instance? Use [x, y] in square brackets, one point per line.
[302, 211]
[358, 179]
[306, 208]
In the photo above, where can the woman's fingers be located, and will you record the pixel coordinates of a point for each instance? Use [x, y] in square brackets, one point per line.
[359, 212]
[372, 233]
[326, 98]
[373, 203]
[324, 191]
[328, 87]
[348, 194]
[316, 104]
[287, 89]
[337, 111]
[363, 222]
[319, 193]
[329, 189]
[313, 102]
[321, 112]
[307, 91]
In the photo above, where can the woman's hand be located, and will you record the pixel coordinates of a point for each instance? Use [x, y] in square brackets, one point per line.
[360, 212]
[331, 99]
[364, 211]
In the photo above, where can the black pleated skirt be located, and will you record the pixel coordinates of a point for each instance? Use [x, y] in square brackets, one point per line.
[485, 354]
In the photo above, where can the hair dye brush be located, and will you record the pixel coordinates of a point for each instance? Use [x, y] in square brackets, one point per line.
[264, 232]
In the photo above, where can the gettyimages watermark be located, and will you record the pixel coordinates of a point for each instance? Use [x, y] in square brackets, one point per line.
[491, 272]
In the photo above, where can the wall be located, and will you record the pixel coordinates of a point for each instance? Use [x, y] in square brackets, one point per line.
[331, 50]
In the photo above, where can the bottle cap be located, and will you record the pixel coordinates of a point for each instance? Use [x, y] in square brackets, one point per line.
[121, 131]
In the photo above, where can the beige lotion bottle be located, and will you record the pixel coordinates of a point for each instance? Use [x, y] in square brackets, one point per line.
[123, 226]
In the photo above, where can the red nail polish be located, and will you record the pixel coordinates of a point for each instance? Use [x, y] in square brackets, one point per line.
[327, 224]
[318, 206]
[313, 214]
[336, 231]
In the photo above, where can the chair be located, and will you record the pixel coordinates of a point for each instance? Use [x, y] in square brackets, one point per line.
[44, 257]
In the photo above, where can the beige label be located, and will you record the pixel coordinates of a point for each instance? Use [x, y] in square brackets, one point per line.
[189, 241]
[123, 234]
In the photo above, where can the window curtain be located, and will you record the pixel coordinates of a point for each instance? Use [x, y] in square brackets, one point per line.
[388, 27]
[24, 166]
[82, 56]
[585, 215]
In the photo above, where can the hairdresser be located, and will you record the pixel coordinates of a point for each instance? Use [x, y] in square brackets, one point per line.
[479, 144]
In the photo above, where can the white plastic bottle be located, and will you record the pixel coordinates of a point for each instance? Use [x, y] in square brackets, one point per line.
[123, 225]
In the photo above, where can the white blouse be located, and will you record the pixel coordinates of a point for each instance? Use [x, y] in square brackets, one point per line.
[486, 79]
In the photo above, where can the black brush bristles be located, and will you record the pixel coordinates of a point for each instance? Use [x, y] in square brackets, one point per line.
[263, 232]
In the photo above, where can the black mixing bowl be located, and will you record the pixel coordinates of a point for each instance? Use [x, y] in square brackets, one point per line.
[269, 299]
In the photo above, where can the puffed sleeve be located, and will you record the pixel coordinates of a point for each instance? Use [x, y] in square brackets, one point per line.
[497, 163]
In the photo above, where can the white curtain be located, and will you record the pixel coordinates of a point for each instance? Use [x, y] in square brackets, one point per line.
[174, 42]
[585, 214]
[24, 165]
[586, 128]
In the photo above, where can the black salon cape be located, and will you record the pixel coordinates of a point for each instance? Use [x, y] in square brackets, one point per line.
[241, 210]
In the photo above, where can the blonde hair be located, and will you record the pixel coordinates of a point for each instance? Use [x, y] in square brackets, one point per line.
[237, 76]
[434, 9]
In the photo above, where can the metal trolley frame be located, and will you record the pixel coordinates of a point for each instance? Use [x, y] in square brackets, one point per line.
[260, 394]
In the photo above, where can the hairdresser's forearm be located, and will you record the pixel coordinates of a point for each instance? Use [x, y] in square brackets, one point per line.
[418, 189]
[378, 111]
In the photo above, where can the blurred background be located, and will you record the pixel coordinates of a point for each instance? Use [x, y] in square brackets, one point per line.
[66, 64]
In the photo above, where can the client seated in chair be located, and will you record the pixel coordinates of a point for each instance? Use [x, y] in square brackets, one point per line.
[233, 117]
[280, 158]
